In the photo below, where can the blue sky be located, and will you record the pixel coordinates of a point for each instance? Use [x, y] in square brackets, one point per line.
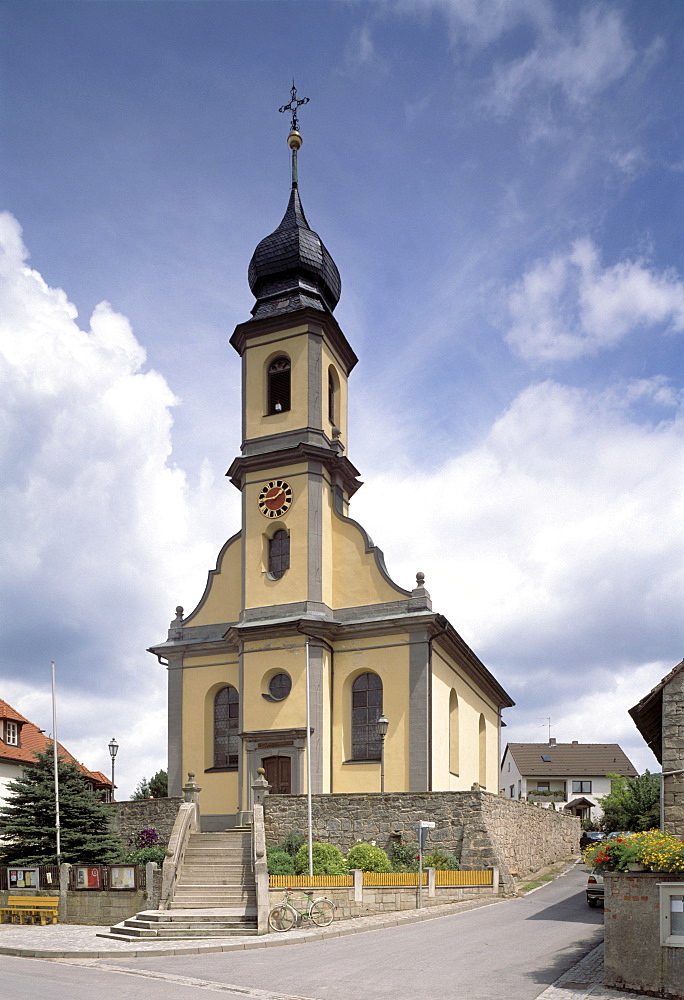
[500, 185]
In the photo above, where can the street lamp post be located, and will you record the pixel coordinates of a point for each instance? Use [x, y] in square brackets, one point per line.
[382, 725]
[113, 750]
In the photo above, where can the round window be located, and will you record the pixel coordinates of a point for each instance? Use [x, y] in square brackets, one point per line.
[279, 686]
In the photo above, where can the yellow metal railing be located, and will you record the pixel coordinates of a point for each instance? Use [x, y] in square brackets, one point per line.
[392, 878]
[387, 879]
[308, 881]
[464, 878]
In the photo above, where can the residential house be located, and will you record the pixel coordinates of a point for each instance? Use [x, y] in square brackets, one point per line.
[659, 717]
[570, 776]
[21, 740]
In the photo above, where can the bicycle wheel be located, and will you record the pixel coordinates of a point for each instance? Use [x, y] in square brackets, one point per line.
[322, 912]
[282, 917]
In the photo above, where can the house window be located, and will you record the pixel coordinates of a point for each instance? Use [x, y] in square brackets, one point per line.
[11, 734]
[226, 727]
[543, 786]
[278, 554]
[581, 788]
[278, 385]
[672, 914]
[366, 710]
[512, 791]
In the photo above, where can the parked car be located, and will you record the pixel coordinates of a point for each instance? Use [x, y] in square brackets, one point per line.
[590, 837]
[595, 889]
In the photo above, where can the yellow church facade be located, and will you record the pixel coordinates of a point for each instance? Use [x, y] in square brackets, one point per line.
[301, 640]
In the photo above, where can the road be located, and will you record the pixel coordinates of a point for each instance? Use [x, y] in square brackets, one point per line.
[511, 950]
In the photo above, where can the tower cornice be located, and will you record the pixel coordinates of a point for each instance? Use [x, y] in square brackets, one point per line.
[341, 469]
[317, 322]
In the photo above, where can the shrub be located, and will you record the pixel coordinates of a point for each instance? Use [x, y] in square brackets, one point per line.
[279, 862]
[147, 837]
[327, 860]
[404, 857]
[368, 858]
[156, 852]
[292, 842]
[441, 861]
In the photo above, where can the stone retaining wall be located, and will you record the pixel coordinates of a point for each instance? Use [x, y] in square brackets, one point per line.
[634, 958]
[483, 830]
[127, 817]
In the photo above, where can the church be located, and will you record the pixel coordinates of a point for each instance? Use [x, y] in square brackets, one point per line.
[303, 656]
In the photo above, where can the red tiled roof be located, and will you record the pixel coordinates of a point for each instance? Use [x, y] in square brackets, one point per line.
[32, 741]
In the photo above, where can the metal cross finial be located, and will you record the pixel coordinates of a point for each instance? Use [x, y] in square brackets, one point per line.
[293, 105]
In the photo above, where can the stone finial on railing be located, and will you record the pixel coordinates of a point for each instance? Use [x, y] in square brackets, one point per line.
[419, 599]
[476, 787]
[191, 790]
[176, 626]
[260, 787]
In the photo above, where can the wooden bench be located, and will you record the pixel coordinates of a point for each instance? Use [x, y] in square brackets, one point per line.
[30, 909]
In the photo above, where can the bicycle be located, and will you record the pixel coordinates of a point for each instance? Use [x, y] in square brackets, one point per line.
[286, 914]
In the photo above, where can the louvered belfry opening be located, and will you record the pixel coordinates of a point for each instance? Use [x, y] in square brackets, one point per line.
[279, 554]
[279, 385]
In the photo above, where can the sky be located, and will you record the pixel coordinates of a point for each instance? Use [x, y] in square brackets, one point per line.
[500, 185]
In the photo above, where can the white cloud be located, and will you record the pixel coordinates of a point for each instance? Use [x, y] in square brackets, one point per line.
[99, 537]
[569, 305]
[580, 63]
[554, 545]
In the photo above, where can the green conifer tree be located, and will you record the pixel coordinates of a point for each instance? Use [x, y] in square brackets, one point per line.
[27, 819]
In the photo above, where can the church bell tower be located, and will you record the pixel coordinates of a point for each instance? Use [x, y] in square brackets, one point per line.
[295, 364]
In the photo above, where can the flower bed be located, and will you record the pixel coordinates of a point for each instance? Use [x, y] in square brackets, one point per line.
[656, 850]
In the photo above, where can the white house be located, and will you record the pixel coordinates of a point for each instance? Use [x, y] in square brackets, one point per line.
[571, 776]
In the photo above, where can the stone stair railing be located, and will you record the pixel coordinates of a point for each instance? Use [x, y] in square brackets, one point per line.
[260, 789]
[187, 822]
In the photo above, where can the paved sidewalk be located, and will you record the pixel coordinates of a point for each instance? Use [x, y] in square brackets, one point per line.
[584, 980]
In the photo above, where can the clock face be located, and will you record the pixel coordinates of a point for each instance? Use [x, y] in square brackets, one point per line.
[275, 498]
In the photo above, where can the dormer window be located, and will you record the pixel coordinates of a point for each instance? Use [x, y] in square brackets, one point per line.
[278, 385]
[11, 734]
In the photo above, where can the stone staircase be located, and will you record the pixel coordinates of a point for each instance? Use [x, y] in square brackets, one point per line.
[215, 894]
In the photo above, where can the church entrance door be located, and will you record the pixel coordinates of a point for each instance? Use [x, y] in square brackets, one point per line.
[278, 774]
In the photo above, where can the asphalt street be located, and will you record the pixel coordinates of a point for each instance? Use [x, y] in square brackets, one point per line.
[513, 949]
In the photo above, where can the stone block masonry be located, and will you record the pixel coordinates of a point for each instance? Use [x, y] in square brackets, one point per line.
[634, 958]
[673, 754]
[126, 818]
[483, 830]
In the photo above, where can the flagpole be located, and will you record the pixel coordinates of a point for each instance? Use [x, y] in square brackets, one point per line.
[54, 747]
[308, 762]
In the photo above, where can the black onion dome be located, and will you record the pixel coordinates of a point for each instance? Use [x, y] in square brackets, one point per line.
[291, 268]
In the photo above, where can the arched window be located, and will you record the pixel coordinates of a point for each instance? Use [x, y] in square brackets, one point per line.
[482, 776]
[453, 732]
[331, 396]
[366, 710]
[278, 554]
[226, 728]
[278, 390]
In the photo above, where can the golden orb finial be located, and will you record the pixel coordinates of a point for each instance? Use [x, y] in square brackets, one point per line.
[294, 140]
